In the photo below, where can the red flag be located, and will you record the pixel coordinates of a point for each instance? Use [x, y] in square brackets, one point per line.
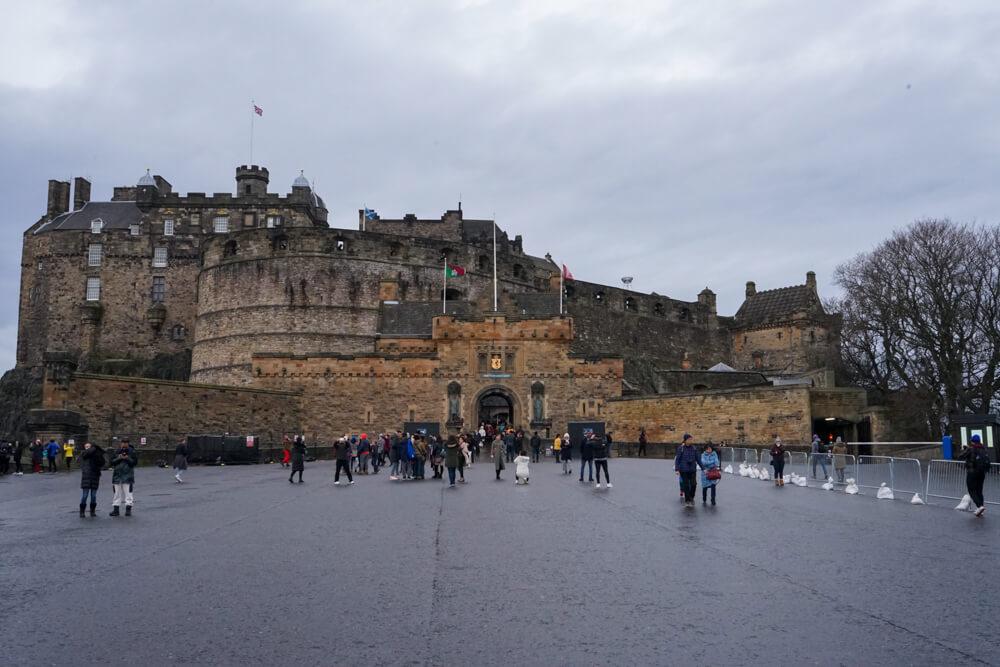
[566, 274]
[454, 271]
[257, 110]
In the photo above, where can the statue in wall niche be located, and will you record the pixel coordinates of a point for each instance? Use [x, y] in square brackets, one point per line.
[453, 407]
[537, 405]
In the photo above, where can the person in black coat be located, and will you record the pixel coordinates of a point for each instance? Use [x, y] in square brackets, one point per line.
[181, 460]
[587, 455]
[536, 444]
[90, 468]
[298, 458]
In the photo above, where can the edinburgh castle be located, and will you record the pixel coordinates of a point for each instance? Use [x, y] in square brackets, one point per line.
[157, 314]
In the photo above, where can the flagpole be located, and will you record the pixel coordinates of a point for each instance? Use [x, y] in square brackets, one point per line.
[494, 263]
[252, 105]
[560, 292]
[364, 218]
[444, 301]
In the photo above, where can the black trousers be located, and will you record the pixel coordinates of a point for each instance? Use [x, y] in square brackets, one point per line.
[974, 483]
[346, 467]
[779, 468]
[602, 464]
[704, 493]
[642, 449]
[689, 483]
[52, 464]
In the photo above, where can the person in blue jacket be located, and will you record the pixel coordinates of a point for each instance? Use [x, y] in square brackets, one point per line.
[709, 460]
[686, 464]
[52, 450]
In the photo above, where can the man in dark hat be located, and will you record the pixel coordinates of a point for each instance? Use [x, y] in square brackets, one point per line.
[686, 465]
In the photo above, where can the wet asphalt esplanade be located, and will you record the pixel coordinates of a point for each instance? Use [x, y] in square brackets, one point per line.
[237, 566]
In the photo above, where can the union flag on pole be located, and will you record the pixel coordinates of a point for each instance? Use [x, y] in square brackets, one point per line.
[566, 274]
[257, 110]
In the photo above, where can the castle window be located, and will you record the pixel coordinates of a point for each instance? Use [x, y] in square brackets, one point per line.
[273, 221]
[94, 254]
[159, 257]
[221, 224]
[168, 227]
[683, 314]
[133, 230]
[280, 243]
[93, 289]
[518, 270]
[658, 309]
[177, 332]
[568, 292]
[779, 335]
[95, 225]
[247, 189]
[159, 289]
[196, 219]
[249, 220]
[341, 244]
[483, 262]
[599, 297]
[229, 250]
[812, 336]
[629, 303]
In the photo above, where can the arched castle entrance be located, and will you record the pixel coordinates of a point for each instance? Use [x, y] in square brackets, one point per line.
[497, 405]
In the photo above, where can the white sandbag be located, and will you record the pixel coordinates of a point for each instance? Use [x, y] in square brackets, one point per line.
[801, 481]
[966, 503]
[728, 469]
[828, 486]
[884, 492]
[852, 487]
[916, 500]
[765, 475]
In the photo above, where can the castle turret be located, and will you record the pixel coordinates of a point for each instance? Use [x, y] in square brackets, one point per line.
[251, 180]
[146, 192]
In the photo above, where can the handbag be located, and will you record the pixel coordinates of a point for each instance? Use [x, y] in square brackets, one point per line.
[713, 473]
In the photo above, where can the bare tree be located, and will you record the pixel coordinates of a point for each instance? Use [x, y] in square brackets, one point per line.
[922, 321]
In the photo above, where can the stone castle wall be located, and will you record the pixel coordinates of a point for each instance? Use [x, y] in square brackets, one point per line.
[790, 347]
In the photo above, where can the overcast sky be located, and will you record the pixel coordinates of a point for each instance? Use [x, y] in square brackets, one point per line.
[687, 144]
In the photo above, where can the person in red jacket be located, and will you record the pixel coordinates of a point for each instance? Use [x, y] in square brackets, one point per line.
[288, 455]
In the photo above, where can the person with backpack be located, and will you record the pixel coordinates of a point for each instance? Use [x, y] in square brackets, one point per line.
[123, 464]
[819, 456]
[587, 454]
[90, 479]
[180, 460]
[364, 454]
[419, 457]
[536, 444]
[342, 451]
[977, 464]
[452, 453]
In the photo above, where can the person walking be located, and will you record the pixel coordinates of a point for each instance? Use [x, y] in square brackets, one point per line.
[839, 458]
[123, 464]
[557, 448]
[364, 454]
[451, 455]
[497, 451]
[68, 450]
[686, 464]
[778, 462]
[180, 460]
[600, 446]
[90, 476]
[566, 455]
[587, 454]
[536, 444]
[394, 456]
[977, 464]
[509, 439]
[710, 472]
[342, 451]
[642, 441]
[463, 457]
[419, 457]
[298, 458]
[819, 456]
[52, 451]
[4, 457]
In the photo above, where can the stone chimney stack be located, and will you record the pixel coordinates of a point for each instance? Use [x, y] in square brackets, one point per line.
[81, 192]
[751, 288]
[811, 280]
[58, 198]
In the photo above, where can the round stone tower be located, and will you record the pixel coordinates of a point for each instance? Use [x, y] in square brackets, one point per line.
[251, 180]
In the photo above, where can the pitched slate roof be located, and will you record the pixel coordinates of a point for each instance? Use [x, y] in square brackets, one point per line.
[114, 215]
[778, 304]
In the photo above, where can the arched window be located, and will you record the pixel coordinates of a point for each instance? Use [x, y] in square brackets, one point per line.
[229, 249]
[279, 243]
[684, 314]
[658, 309]
[454, 401]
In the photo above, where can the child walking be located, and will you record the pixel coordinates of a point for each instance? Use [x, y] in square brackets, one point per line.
[521, 469]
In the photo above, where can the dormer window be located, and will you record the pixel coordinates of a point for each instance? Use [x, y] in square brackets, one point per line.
[133, 230]
[95, 226]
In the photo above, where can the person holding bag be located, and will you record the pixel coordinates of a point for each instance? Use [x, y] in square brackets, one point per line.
[710, 473]
[778, 461]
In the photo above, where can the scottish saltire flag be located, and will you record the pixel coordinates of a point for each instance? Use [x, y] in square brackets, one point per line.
[370, 214]
[454, 271]
[257, 110]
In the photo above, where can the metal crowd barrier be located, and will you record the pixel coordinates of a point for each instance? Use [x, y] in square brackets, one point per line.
[907, 476]
[946, 480]
[736, 455]
[845, 466]
[873, 471]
